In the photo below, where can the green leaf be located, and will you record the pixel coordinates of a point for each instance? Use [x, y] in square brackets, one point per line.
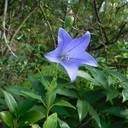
[64, 103]
[118, 75]
[82, 108]
[51, 121]
[111, 94]
[125, 95]
[43, 81]
[68, 93]
[16, 90]
[99, 76]
[30, 118]
[37, 85]
[94, 96]
[125, 85]
[10, 101]
[62, 124]
[35, 126]
[104, 123]
[61, 111]
[124, 113]
[87, 77]
[50, 97]
[94, 114]
[27, 105]
[118, 111]
[7, 118]
[2, 103]
[33, 95]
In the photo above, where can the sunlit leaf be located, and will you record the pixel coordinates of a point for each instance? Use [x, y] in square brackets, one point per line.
[64, 103]
[63, 124]
[125, 95]
[67, 92]
[51, 121]
[43, 81]
[87, 77]
[16, 89]
[35, 126]
[10, 101]
[7, 118]
[99, 76]
[32, 95]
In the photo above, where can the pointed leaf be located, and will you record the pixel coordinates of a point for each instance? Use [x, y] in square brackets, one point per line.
[64, 103]
[111, 94]
[51, 121]
[32, 95]
[82, 108]
[125, 85]
[118, 75]
[37, 85]
[67, 92]
[30, 118]
[99, 76]
[43, 81]
[27, 105]
[10, 101]
[118, 111]
[16, 90]
[87, 77]
[35, 126]
[7, 118]
[125, 95]
[94, 114]
[63, 124]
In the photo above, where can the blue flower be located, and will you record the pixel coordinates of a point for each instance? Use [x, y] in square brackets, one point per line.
[70, 53]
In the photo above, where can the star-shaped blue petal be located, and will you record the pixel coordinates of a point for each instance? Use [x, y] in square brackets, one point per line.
[70, 53]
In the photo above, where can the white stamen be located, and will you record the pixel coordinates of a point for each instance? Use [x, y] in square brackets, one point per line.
[65, 56]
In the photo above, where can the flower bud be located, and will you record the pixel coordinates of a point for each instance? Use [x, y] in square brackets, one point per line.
[69, 20]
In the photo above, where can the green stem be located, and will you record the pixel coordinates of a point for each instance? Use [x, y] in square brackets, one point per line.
[56, 71]
[15, 123]
[49, 102]
[50, 91]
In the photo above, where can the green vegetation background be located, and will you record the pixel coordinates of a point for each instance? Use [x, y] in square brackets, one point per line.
[28, 30]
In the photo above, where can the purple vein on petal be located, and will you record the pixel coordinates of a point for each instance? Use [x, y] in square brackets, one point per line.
[85, 39]
[75, 46]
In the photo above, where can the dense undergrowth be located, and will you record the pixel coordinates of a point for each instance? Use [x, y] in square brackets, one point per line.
[30, 96]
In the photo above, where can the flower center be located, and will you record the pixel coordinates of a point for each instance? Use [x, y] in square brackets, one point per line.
[65, 56]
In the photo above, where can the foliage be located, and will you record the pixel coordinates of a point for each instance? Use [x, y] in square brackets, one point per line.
[30, 93]
[74, 104]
